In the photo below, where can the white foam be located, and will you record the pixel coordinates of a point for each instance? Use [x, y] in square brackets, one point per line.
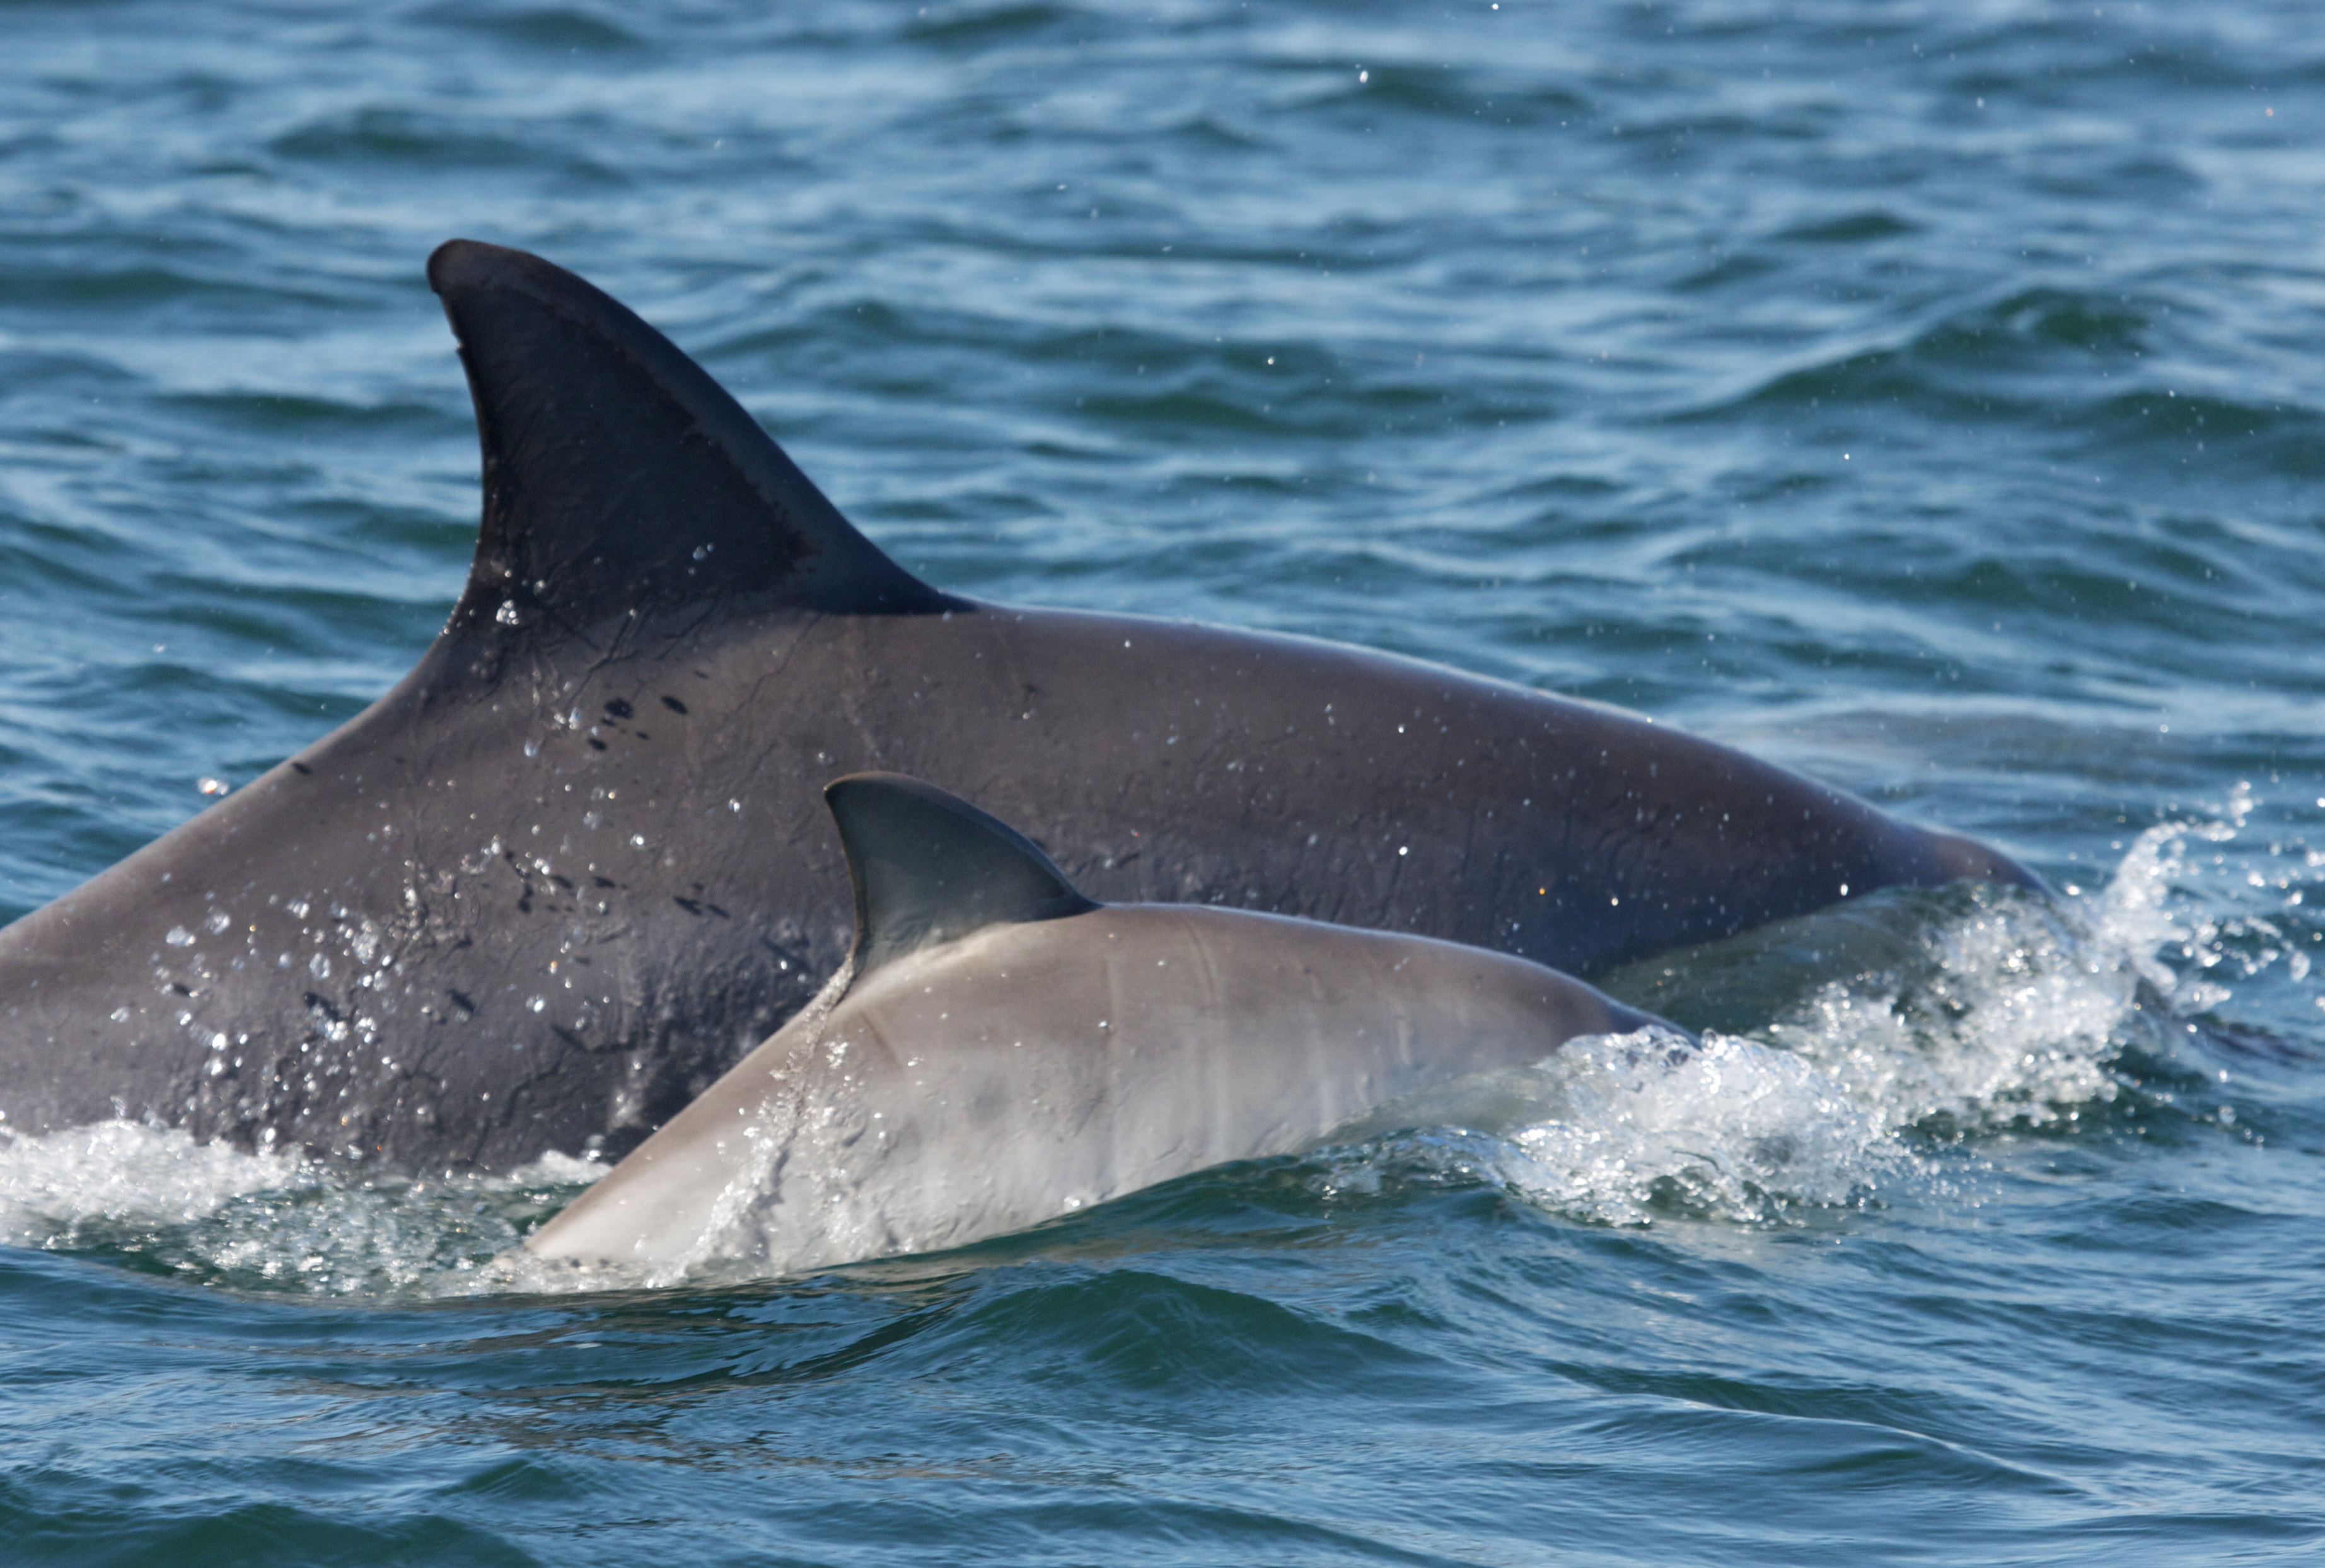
[2010, 1015]
[123, 1171]
[1735, 1128]
[1616, 1129]
[264, 1219]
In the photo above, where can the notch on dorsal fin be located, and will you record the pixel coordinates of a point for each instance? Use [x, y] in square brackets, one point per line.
[619, 476]
[929, 867]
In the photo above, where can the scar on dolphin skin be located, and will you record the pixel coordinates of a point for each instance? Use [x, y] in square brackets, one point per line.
[1000, 1048]
[644, 542]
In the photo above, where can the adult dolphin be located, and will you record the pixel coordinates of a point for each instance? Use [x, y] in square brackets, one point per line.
[573, 866]
[1001, 1049]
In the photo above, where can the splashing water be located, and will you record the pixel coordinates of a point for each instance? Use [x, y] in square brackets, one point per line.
[2005, 1015]
[1615, 1129]
[2146, 906]
[2007, 1010]
[1980, 1009]
[153, 1198]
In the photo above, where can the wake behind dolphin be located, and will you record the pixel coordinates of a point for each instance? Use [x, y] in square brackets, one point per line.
[570, 869]
[1000, 1050]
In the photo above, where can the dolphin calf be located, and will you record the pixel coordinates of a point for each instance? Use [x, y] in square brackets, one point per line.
[573, 866]
[1000, 1050]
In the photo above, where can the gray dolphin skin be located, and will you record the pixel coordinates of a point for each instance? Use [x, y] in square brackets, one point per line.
[574, 865]
[1000, 1050]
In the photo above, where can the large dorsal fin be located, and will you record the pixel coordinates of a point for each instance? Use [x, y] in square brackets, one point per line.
[930, 867]
[619, 476]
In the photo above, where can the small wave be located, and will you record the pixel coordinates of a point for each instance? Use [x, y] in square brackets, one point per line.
[982, 27]
[1440, 90]
[2046, 357]
[1852, 228]
[1963, 366]
[396, 136]
[562, 30]
[122, 286]
[279, 414]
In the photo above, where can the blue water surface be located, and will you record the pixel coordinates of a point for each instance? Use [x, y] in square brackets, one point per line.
[1922, 396]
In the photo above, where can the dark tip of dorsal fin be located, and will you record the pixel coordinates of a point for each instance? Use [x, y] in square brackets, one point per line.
[619, 476]
[929, 867]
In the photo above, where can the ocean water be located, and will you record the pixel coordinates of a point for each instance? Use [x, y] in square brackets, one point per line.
[1925, 396]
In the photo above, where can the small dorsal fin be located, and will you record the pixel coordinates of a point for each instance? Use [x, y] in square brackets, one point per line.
[619, 476]
[929, 867]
